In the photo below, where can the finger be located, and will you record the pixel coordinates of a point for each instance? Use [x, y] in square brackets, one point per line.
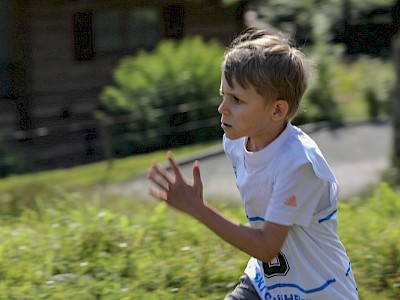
[157, 194]
[196, 171]
[174, 165]
[160, 182]
[160, 171]
[159, 176]
[197, 178]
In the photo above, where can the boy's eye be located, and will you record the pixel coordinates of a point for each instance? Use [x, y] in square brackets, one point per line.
[232, 98]
[237, 100]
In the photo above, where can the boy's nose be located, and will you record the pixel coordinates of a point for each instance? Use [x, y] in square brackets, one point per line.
[222, 109]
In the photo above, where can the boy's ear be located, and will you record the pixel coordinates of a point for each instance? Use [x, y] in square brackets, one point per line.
[281, 109]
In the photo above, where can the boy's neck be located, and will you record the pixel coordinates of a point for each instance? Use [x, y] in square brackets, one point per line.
[254, 145]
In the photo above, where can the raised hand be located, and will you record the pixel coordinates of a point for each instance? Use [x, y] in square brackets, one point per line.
[173, 187]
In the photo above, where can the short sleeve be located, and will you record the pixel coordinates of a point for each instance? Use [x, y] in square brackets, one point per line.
[295, 197]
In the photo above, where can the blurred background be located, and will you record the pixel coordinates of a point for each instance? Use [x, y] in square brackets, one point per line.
[91, 91]
[83, 81]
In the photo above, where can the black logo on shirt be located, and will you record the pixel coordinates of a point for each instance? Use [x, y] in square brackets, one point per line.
[278, 266]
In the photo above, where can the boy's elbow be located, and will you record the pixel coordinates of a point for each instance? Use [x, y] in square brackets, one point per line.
[267, 256]
[267, 250]
[272, 238]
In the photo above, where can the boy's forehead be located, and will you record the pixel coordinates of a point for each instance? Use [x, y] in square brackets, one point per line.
[234, 87]
[225, 87]
[225, 84]
[237, 90]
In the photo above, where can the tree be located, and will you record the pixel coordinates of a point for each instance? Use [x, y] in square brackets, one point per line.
[396, 98]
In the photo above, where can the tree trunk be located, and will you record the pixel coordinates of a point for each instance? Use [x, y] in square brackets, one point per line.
[21, 89]
[396, 104]
[396, 94]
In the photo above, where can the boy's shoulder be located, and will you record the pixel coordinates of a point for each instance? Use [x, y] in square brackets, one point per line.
[302, 149]
[291, 150]
[296, 148]
[300, 143]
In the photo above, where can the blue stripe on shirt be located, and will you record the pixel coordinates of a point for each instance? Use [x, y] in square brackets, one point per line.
[328, 217]
[291, 285]
[253, 219]
[348, 269]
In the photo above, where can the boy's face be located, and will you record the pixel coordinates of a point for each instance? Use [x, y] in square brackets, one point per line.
[245, 113]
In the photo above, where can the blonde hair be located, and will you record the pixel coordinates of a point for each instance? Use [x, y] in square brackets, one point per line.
[270, 64]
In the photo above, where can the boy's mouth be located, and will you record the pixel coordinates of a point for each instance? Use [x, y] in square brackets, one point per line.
[225, 125]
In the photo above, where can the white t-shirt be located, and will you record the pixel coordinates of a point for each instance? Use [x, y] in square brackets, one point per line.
[290, 183]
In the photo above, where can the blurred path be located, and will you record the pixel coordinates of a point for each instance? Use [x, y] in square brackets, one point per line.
[358, 153]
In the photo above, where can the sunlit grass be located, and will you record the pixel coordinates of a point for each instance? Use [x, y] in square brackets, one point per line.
[73, 247]
[19, 190]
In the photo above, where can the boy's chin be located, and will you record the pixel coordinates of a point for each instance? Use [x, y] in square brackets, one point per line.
[232, 136]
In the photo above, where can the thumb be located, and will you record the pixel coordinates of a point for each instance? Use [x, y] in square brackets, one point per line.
[197, 183]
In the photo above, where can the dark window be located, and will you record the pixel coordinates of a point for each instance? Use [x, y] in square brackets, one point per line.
[108, 30]
[120, 30]
[144, 28]
[6, 65]
[174, 16]
[83, 36]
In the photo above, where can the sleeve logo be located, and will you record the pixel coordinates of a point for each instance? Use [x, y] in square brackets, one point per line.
[291, 201]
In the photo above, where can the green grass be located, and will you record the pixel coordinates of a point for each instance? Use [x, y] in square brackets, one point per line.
[18, 191]
[370, 229]
[73, 248]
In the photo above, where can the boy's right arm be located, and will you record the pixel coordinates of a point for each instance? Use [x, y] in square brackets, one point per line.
[187, 196]
[263, 244]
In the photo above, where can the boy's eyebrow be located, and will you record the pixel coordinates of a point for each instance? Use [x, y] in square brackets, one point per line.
[221, 92]
[232, 93]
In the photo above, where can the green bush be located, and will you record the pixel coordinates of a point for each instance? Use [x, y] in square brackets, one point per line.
[176, 72]
[359, 89]
[167, 89]
[78, 248]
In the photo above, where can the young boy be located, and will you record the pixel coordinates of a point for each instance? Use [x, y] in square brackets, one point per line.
[288, 190]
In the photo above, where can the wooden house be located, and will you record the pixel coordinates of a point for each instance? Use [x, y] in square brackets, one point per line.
[56, 56]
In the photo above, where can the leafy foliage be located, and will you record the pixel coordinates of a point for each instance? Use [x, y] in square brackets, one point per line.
[296, 17]
[167, 89]
[175, 73]
[77, 247]
[354, 80]
[341, 88]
